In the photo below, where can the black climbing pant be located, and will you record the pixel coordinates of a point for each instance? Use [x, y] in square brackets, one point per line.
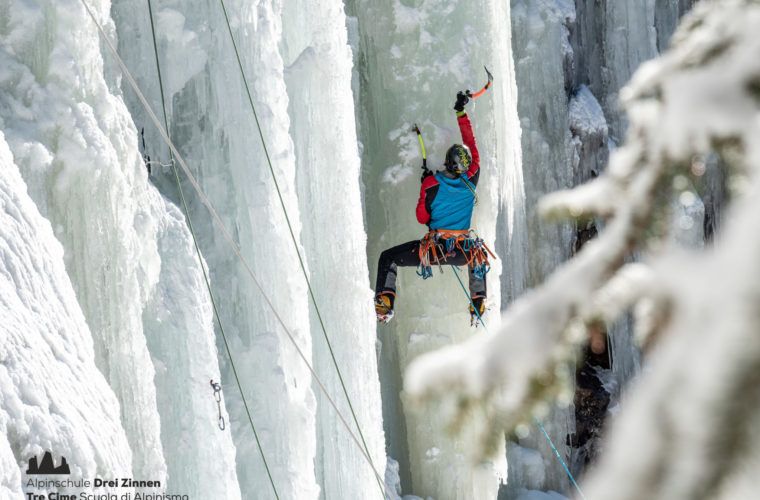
[408, 255]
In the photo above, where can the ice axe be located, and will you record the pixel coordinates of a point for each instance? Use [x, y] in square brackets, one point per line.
[481, 91]
[469, 94]
[422, 146]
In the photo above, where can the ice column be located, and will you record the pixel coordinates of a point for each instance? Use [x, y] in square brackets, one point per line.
[74, 143]
[52, 396]
[212, 125]
[542, 53]
[323, 128]
[200, 456]
[611, 40]
[413, 61]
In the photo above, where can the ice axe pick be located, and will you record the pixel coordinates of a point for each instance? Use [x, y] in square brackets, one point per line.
[481, 91]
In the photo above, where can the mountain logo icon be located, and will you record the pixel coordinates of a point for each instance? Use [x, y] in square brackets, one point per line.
[46, 466]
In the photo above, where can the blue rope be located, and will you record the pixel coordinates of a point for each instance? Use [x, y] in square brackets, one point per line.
[559, 457]
[456, 273]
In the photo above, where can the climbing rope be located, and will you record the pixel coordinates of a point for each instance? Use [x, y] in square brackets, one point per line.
[217, 220]
[205, 274]
[559, 458]
[295, 245]
[470, 187]
[456, 273]
[218, 398]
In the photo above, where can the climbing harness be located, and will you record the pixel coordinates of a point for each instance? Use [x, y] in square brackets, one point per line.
[218, 397]
[438, 245]
[481, 91]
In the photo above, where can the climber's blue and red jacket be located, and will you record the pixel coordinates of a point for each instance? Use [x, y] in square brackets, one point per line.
[447, 203]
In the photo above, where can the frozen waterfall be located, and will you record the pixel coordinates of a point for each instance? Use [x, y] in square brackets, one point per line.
[108, 334]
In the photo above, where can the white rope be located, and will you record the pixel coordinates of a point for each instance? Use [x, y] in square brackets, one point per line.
[229, 239]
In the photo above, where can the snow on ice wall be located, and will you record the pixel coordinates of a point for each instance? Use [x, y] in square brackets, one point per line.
[53, 396]
[75, 145]
[321, 107]
[178, 322]
[541, 47]
[413, 60]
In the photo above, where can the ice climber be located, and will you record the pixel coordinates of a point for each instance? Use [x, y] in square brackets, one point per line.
[447, 199]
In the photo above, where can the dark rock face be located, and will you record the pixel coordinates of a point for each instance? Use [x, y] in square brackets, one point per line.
[591, 399]
[666, 20]
[591, 402]
[585, 231]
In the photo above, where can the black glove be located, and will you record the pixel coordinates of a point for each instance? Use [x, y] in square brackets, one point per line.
[425, 174]
[462, 99]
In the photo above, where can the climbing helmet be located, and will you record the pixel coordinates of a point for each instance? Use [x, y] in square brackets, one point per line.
[458, 159]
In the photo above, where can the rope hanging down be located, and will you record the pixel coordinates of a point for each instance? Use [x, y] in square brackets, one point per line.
[298, 252]
[203, 268]
[228, 238]
[456, 273]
